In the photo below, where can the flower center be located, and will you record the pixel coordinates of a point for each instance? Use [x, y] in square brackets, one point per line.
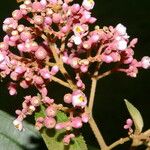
[91, 1]
[81, 99]
[79, 29]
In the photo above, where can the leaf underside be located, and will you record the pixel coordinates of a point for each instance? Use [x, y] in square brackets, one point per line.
[12, 139]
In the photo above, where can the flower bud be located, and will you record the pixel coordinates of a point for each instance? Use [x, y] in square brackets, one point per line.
[38, 19]
[51, 111]
[41, 53]
[17, 14]
[121, 29]
[56, 18]
[76, 122]
[67, 138]
[37, 6]
[145, 62]
[49, 122]
[75, 8]
[67, 98]
[54, 70]
[88, 4]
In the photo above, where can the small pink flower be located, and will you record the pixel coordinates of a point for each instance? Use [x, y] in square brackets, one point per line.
[92, 20]
[24, 84]
[54, 70]
[48, 20]
[94, 38]
[31, 46]
[30, 110]
[85, 117]
[106, 58]
[14, 76]
[38, 19]
[68, 98]
[56, 17]
[133, 42]
[20, 28]
[121, 29]
[40, 119]
[38, 80]
[76, 122]
[145, 62]
[80, 84]
[51, 111]
[77, 40]
[128, 124]
[17, 14]
[75, 8]
[60, 126]
[78, 29]
[18, 124]
[74, 62]
[21, 47]
[79, 99]
[43, 90]
[4, 46]
[121, 45]
[68, 138]
[20, 69]
[38, 125]
[12, 88]
[88, 4]
[84, 68]
[35, 101]
[37, 6]
[41, 53]
[45, 73]
[48, 100]
[87, 44]
[43, 2]
[26, 35]
[65, 29]
[49, 122]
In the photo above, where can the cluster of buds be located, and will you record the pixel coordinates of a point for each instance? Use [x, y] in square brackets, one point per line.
[128, 125]
[40, 33]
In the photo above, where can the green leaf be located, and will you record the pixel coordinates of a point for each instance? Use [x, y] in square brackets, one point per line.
[40, 112]
[53, 138]
[12, 139]
[136, 116]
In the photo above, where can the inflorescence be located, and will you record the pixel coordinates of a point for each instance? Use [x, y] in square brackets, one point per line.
[42, 38]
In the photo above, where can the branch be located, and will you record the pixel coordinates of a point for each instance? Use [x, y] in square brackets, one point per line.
[103, 74]
[92, 94]
[60, 64]
[60, 82]
[97, 134]
[119, 142]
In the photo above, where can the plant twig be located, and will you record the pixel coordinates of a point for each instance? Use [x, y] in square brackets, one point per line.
[103, 74]
[98, 134]
[60, 82]
[92, 94]
[60, 64]
[119, 142]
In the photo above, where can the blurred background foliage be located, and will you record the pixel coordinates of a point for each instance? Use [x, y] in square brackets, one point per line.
[109, 110]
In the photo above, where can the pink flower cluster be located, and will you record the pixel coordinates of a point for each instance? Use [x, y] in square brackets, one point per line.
[26, 55]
